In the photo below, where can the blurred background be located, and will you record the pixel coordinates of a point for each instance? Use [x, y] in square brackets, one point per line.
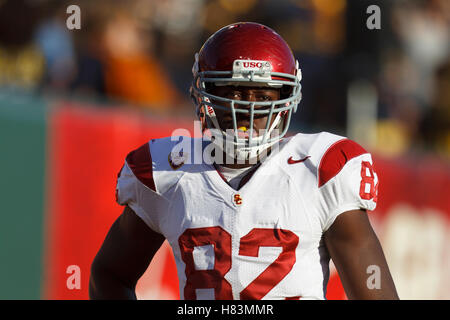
[73, 103]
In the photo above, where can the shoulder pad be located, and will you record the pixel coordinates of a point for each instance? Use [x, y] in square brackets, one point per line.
[335, 158]
[140, 163]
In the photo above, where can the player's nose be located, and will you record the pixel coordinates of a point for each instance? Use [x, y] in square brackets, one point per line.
[243, 117]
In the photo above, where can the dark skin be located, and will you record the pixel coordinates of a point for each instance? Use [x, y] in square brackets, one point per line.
[130, 244]
[225, 119]
[123, 258]
[353, 247]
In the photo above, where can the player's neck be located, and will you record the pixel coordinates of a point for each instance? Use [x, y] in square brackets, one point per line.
[238, 164]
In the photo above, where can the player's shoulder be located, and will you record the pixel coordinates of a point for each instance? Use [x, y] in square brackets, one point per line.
[326, 153]
[177, 153]
[160, 163]
[162, 153]
[138, 164]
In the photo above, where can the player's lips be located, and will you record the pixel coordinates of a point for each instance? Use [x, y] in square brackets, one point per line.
[228, 124]
[243, 131]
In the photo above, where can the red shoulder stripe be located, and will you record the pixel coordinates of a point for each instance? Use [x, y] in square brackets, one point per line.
[336, 157]
[140, 162]
[247, 177]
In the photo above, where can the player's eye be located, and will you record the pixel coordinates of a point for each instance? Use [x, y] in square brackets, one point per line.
[234, 95]
[264, 97]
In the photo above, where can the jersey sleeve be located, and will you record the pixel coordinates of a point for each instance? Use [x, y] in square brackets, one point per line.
[347, 181]
[136, 188]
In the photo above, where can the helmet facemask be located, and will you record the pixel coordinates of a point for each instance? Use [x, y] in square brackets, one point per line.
[246, 144]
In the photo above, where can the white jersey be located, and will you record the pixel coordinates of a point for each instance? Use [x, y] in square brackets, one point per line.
[264, 240]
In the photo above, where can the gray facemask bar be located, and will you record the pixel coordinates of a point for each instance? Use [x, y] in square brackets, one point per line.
[292, 101]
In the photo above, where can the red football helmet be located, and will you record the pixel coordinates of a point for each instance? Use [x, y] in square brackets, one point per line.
[246, 54]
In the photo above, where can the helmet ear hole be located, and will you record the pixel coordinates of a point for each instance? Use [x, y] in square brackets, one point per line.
[209, 87]
[285, 91]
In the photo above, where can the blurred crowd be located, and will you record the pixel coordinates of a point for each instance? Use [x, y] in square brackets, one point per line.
[139, 54]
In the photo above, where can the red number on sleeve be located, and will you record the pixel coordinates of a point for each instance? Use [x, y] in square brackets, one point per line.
[368, 179]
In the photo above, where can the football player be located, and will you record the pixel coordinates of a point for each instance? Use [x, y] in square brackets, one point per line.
[264, 222]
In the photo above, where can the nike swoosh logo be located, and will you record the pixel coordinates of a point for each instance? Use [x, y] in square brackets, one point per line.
[292, 161]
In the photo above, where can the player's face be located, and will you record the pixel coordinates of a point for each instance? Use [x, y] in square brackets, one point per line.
[255, 94]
